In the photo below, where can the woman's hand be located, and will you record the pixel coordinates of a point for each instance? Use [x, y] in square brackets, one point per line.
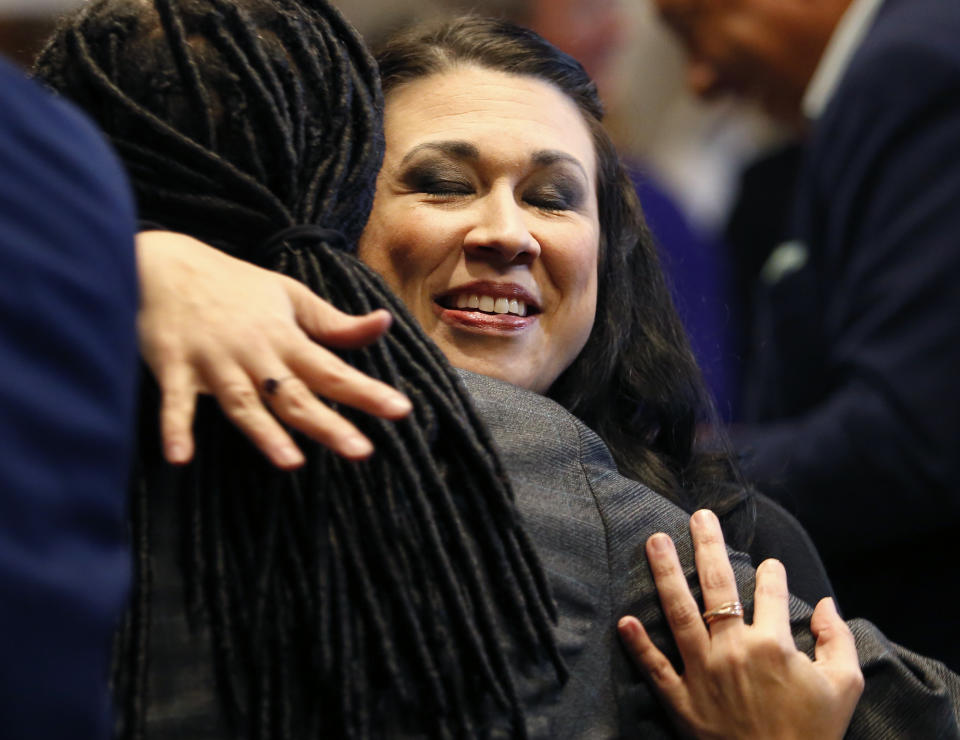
[209, 323]
[744, 681]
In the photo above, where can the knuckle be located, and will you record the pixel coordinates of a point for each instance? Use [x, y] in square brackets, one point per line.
[239, 398]
[663, 568]
[164, 345]
[715, 578]
[175, 414]
[855, 680]
[768, 587]
[684, 615]
[709, 538]
[336, 373]
[161, 346]
[738, 658]
[659, 668]
[297, 400]
[770, 650]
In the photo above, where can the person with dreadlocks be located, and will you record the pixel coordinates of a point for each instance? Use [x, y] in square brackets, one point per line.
[585, 520]
[345, 598]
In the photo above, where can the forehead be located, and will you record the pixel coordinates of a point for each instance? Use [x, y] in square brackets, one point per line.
[503, 114]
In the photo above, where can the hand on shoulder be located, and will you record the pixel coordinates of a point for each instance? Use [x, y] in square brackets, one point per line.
[743, 681]
[210, 323]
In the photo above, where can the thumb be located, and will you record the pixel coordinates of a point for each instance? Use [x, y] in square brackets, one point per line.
[329, 325]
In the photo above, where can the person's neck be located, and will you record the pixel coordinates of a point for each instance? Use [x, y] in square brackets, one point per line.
[815, 25]
[849, 30]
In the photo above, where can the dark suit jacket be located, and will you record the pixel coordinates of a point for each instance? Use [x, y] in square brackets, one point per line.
[589, 525]
[859, 350]
[67, 362]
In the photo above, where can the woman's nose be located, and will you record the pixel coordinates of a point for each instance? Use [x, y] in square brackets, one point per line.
[501, 231]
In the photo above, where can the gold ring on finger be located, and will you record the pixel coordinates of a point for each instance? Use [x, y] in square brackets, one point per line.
[728, 609]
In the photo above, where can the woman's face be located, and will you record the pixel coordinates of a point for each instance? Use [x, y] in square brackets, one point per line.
[485, 221]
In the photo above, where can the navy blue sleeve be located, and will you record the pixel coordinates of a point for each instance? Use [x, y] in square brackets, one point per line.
[68, 299]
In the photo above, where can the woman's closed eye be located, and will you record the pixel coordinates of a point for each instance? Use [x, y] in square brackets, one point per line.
[437, 180]
[559, 195]
[446, 188]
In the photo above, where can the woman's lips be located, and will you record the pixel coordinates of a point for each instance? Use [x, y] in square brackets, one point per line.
[487, 307]
[483, 322]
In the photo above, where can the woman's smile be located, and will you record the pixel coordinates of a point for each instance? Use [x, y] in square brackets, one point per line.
[484, 306]
[485, 221]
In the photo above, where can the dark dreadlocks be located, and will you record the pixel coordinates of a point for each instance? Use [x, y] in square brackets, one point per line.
[345, 599]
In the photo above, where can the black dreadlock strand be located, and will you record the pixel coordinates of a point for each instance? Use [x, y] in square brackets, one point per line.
[344, 599]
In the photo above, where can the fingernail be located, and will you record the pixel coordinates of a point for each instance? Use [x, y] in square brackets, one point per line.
[288, 455]
[177, 452]
[659, 542]
[626, 625]
[704, 517]
[356, 446]
[398, 405]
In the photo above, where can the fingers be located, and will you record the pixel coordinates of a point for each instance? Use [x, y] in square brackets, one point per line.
[836, 653]
[178, 405]
[649, 658]
[294, 403]
[327, 374]
[717, 582]
[771, 602]
[835, 643]
[242, 404]
[334, 379]
[211, 323]
[681, 609]
[329, 325]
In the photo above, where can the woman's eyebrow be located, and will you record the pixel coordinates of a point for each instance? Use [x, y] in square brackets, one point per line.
[547, 157]
[457, 149]
[454, 149]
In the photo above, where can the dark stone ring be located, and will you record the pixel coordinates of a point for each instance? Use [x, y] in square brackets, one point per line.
[270, 385]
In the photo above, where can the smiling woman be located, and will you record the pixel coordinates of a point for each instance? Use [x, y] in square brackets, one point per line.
[499, 177]
[490, 240]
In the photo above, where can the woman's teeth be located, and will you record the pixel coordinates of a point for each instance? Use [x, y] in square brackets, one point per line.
[489, 304]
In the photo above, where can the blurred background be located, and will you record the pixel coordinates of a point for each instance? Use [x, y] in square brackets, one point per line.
[687, 156]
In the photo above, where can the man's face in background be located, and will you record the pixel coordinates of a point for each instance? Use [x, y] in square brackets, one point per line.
[764, 50]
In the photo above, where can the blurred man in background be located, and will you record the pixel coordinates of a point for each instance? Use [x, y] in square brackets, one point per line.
[855, 417]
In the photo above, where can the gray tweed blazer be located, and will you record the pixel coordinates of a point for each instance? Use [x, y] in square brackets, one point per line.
[589, 525]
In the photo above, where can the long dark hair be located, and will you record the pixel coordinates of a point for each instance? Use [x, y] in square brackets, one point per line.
[342, 599]
[636, 382]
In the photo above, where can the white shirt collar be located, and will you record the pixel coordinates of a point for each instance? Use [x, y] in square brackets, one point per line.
[846, 38]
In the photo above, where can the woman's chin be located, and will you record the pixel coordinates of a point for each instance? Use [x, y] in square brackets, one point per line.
[519, 374]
